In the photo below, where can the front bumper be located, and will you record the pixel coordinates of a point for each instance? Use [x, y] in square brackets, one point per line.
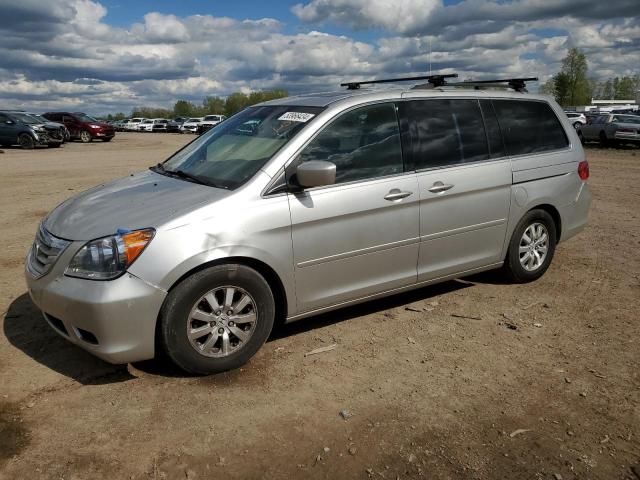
[114, 320]
[103, 133]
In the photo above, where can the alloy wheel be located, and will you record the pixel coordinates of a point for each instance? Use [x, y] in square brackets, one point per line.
[534, 246]
[222, 321]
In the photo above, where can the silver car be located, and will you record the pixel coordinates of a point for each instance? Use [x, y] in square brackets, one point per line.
[303, 205]
[612, 129]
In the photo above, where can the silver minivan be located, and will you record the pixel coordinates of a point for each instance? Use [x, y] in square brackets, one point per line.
[303, 205]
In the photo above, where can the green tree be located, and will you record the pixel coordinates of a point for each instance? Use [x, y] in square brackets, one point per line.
[572, 84]
[183, 108]
[213, 105]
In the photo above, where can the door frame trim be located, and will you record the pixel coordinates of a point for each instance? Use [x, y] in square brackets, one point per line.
[357, 253]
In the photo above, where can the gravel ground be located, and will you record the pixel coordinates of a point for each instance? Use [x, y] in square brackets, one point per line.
[469, 379]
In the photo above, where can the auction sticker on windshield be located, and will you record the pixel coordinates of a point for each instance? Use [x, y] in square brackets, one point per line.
[296, 117]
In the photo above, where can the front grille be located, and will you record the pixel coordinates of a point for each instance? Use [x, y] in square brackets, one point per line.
[44, 252]
[55, 133]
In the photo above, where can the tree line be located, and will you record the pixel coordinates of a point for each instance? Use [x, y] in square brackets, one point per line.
[211, 105]
[572, 86]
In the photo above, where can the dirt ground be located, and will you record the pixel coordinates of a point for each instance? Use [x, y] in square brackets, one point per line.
[470, 379]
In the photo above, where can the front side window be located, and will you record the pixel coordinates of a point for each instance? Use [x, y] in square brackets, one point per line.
[234, 151]
[444, 132]
[82, 117]
[363, 143]
[529, 127]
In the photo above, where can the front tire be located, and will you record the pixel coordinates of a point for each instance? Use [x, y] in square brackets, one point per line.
[217, 319]
[26, 141]
[532, 246]
[85, 137]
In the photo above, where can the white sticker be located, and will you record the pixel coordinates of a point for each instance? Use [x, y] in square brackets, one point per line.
[296, 117]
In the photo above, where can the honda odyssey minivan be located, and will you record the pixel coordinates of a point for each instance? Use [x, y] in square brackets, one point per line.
[306, 204]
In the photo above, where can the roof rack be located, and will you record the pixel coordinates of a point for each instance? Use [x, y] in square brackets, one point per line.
[518, 84]
[434, 80]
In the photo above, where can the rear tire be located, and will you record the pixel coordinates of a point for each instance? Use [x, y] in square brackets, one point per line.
[85, 137]
[528, 260]
[200, 302]
[604, 141]
[26, 141]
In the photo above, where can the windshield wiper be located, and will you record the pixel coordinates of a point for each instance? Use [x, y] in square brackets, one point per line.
[187, 176]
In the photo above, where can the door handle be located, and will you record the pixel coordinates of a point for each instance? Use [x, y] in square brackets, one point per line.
[395, 194]
[439, 187]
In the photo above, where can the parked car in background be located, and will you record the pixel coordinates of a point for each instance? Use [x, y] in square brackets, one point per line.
[173, 126]
[612, 129]
[19, 128]
[303, 205]
[159, 125]
[37, 116]
[208, 122]
[132, 124]
[82, 126]
[120, 125]
[577, 119]
[191, 125]
[629, 111]
[146, 125]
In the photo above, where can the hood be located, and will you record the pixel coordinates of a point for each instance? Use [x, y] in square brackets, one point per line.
[47, 125]
[146, 199]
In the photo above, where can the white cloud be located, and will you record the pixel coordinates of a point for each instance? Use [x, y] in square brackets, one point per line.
[64, 53]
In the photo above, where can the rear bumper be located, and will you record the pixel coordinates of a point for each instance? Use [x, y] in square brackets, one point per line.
[114, 320]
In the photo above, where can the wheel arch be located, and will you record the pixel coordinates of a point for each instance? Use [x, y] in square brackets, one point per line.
[555, 215]
[269, 274]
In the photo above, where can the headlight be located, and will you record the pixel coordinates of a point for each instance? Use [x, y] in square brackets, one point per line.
[94, 126]
[37, 129]
[108, 257]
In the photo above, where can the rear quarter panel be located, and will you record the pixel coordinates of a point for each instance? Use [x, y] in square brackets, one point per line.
[551, 178]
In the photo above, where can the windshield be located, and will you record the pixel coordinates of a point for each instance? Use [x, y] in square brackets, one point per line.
[81, 117]
[234, 150]
[39, 118]
[627, 119]
[24, 118]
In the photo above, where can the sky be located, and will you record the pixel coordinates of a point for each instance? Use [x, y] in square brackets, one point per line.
[108, 56]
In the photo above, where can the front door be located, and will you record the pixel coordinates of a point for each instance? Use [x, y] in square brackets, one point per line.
[464, 184]
[359, 236]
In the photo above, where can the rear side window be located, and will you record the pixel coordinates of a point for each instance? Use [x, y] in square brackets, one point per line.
[363, 143]
[444, 132]
[529, 127]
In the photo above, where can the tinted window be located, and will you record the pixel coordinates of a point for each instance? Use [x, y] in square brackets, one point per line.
[494, 136]
[529, 127]
[445, 132]
[3, 118]
[363, 143]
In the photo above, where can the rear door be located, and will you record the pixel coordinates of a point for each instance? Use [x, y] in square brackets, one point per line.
[464, 181]
[359, 236]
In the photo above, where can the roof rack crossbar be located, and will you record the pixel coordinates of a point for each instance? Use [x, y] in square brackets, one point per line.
[435, 80]
[518, 84]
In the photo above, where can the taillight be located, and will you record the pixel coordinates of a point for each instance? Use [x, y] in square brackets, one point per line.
[626, 130]
[583, 170]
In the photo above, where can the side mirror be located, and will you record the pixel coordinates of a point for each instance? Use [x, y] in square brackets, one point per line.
[316, 173]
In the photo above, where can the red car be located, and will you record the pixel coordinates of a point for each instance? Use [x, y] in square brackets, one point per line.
[82, 126]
